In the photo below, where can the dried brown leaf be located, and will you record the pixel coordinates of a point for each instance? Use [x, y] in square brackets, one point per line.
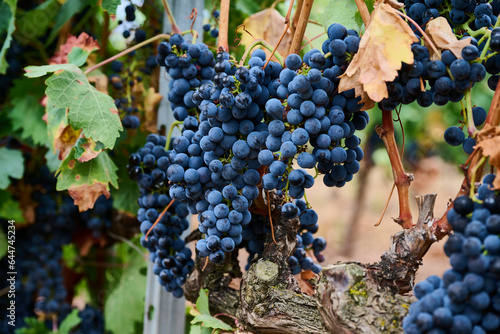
[235, 284]
[442, 36]
[385, 45]
[393, 3]
[87, 149]
[150, 109]
[83, 41]
[268, 25]
[304, 284]
[85, 195]
[489, 141]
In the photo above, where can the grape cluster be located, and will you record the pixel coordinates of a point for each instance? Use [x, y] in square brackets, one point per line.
[243, 129]
[171, 258]
[189, 65]
[39, 249]
[467, 298]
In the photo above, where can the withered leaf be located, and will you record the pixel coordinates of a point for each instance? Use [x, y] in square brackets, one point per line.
[268, 25]
[489, 141]
[83, 41]
[442, 36]
[150, 108]
[382, 49]
[65, 140]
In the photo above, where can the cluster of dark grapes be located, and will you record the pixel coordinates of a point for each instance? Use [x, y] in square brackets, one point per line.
[450, 77]
[479, 13]
[189, 65]
[92, 322]
[100, 217]
[212, 28]
[39, 282]
[171, 258]
[467, 298]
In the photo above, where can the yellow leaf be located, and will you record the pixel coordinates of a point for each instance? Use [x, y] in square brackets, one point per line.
[384, 46]
[268, 25]
[442, 36]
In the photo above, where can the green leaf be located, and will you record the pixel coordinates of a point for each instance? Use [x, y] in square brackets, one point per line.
[12, 162]
[125, 303]
[35, 22]
[7, 27]
[68, 9]
[9, 208]
[89, 109]
[27, 112]
[86, 181]
[3, 244]
[211, 322]
[39, 71]
[71, 321]
[339, 11]
[78, 56]
[70, 255]
[202, 302]
[197, 329]
[33, 326]
[56, 122]
[110, 5]
[125, 197]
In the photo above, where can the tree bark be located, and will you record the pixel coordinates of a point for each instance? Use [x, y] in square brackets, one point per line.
[348, 297]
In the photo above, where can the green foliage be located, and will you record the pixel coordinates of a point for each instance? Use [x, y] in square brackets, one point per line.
[35, 23]
[71, 321]
[78, 56]
[3, 244]
[33, 326]
[7, 27]
[339, 11]
[70, 255]
[110, 5]
[208, 323]
[68, 9]
[89, 109]
[40, 71]
[76, 174]
[12, 166]
[27, 112]
[125, 303]
[9, 208]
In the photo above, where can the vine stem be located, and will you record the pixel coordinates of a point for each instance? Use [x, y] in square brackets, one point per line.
[363, 10]
[401, 178]
[174, 27]
[159, 218]
[264, 44]
[298, 36]
[223, 43]
[287, 25]
[471, 127]
[426, 37]
[169, 136]
[294, 22]
[124, 52]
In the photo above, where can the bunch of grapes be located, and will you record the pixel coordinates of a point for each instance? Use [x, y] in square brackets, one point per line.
[162, 229]
[466, 299]
[92, 322]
